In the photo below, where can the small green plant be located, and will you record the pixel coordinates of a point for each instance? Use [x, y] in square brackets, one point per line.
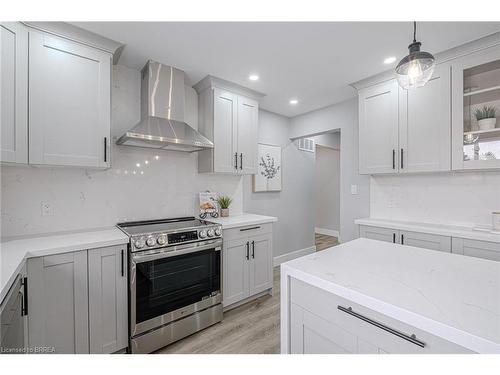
[485, 112]
[224, 201]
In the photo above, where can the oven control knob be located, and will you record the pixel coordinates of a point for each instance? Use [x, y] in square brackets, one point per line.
[151, 241]
[162, 240]
[139, 244]
[203, 233]
[210, 233]
[218, 232]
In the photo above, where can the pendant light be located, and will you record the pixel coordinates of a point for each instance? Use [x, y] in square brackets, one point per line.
[415, 69]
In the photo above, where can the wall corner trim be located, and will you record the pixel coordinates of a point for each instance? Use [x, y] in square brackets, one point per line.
[292, 255]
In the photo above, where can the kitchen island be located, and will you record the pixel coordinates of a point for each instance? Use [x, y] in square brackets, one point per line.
[368, 296]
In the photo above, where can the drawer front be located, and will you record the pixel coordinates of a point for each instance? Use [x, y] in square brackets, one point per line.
[324, 306]
[379, 234]
[478, 249]
[426, 241]
[247, 231]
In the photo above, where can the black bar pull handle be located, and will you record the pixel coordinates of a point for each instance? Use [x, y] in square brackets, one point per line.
[105, 149]
[241, 161]
[251, 228]
[411, 338]
[393, 159]
[402, 158]
[123, 266]
[248, 250]
[24, 310]
[253, 249]
[235, 160]
[402, 239]
[394, 238]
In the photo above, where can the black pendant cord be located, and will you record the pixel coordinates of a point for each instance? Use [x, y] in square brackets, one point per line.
[414, 31]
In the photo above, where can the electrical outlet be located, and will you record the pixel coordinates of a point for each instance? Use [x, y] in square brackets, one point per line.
[47, 209]
[354, 189]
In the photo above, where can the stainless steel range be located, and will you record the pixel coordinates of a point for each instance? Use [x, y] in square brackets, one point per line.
[174, 280]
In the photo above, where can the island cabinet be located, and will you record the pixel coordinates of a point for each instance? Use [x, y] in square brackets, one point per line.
[247, 259]
[404, 131]
[228, 116]
[324, 323]
[403, 237]
[63, 86]
[78, 301]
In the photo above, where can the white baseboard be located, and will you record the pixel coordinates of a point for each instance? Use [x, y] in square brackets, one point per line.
[328, 232]
[294, 254]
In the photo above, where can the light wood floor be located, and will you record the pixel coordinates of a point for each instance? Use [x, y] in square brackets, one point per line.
[253, 328]
[324, 242]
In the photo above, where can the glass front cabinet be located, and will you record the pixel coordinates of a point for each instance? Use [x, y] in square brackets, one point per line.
[476, 110]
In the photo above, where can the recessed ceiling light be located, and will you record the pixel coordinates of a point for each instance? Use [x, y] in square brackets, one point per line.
[293, 101]
[389, 60]
[253, 77]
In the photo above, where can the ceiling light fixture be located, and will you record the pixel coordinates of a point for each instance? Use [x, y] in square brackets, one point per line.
[389, 60]
[293, 101]
[253, 77]
[415, 69]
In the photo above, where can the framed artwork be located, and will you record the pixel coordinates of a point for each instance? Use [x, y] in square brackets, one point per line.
[268, 177]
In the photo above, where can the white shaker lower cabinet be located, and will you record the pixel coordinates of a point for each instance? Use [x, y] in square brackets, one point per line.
[478, 249]
[14, 92]
[324, 323]
[78, 301]
[58, 302]
[69, 103]
[108, 299]
[425, 241]
[247, 263]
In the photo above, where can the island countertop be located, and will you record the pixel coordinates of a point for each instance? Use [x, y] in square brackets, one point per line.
[448, 295]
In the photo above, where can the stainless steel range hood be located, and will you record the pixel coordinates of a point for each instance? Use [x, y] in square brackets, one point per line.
[162, 123]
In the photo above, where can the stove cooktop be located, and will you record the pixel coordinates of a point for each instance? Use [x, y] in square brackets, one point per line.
[163, 225]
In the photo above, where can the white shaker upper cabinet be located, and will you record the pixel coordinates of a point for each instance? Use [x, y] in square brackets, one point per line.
[425, 125]
[69, 103]
[248, 112]
[378, 128]
[14, 92]
[225, 116]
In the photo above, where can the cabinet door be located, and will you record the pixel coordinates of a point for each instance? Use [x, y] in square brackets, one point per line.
[14, 93]
[426, 241]
[261, 263]
[425, 125]
[248, 123]
[379, 234]
[225, 133]
[235, 268]
[478, 249]
[58, 302]
[69, 103]
[108, 299]
[378, 128]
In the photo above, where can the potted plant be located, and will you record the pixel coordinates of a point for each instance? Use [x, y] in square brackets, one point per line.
[224, 203]
[486, 117]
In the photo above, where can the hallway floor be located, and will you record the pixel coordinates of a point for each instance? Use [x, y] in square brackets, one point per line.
[324, 242]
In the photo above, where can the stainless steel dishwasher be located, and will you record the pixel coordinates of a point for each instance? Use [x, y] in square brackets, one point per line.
[12, 317]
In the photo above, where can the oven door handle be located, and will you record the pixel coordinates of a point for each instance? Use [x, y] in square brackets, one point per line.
[167, 254]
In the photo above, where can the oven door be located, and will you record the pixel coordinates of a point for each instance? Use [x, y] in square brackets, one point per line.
[172, 283]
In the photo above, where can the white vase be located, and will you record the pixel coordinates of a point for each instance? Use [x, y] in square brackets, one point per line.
[224, 212]
[487, 123]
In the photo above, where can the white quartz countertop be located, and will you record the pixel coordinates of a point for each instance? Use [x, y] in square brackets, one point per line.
[441, 229]
[448, 295]
[242, 220]
[13, 253]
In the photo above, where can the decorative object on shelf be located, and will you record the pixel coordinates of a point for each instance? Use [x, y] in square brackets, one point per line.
[496, 220]
[268, 177]
[415, 69]
[486, 117]
[208, 204]
[224, 203]
[488, 156]
[470, 138]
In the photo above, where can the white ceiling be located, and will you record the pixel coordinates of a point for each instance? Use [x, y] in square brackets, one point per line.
[313, 62]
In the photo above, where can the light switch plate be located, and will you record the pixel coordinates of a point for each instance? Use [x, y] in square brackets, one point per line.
[354, 189]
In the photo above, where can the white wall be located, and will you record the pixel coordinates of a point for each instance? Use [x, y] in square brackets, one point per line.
[343, 116]
[85, 198]
[465, 198]
[327, 177]
[294, 205]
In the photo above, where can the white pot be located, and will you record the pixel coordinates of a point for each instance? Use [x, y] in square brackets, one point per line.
[224, 212]
[487, 123]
